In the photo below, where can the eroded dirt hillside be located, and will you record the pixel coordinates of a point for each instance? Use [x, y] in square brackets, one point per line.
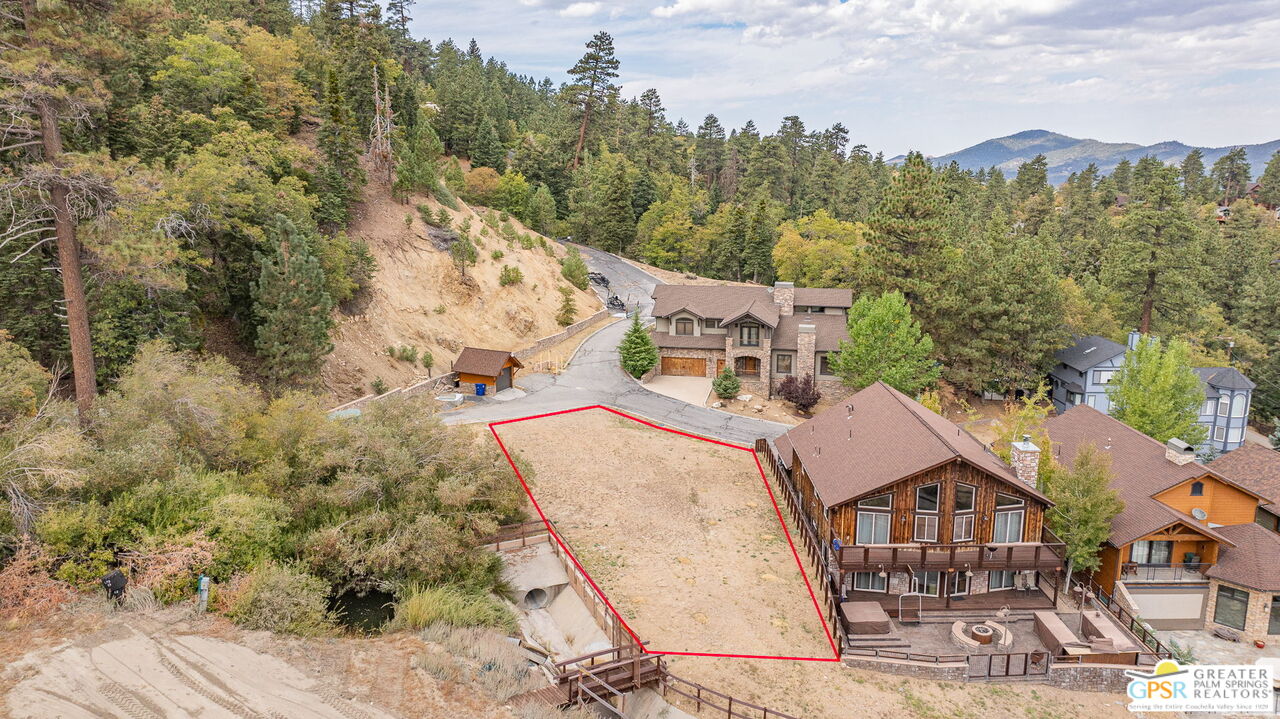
[419, 298]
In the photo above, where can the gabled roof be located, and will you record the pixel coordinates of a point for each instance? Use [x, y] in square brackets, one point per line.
[824, 297]
[721, 301]
[1252, 561]
[485, 363]
[1089, 352]
[1139, 471]
[829, 330]
[1252, 466]
[765, 312]
[880, 436]
[1224, 378]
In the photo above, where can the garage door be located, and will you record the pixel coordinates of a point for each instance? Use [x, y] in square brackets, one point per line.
[684, 366]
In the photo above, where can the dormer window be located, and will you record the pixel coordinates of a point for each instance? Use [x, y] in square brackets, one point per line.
[684, 326]
[711, 324]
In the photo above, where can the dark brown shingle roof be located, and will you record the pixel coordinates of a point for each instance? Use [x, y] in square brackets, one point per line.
[719, 302]
[830, 329]
[824, 297]
[886, 437]
[1138, 466]
[485, 363]
[1252, 562]
[697, 342]
[1254, 467]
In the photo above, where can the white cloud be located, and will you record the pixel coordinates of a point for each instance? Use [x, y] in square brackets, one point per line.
[581, 9]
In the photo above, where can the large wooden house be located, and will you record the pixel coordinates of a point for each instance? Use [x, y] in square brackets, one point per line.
[919, 513]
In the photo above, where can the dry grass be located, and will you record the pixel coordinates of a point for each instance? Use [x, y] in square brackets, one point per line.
[26, 589]
[492, 660]
[454, 606]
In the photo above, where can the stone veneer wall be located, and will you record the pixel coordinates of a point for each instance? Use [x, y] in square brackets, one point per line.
[1076, 677]
[1256, 619]
[709, 355]
[900, 583]
[550, 341]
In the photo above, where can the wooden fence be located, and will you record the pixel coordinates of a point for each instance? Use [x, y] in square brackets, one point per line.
[1005, 666]
[517, 536]
[899, 655]
[818, 551]
[594, 601]
[717, 703]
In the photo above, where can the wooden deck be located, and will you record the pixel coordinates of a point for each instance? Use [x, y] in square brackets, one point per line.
[987, 602]
[936, 557]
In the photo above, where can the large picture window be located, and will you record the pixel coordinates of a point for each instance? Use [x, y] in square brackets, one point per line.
[1008, 526]
[873, 528]
[1149, 552]
[1232, 607]
[999, 580]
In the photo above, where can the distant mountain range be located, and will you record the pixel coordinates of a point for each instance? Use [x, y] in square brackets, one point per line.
[1070, 154]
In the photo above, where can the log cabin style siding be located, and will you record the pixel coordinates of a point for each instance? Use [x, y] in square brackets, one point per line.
[947, 476]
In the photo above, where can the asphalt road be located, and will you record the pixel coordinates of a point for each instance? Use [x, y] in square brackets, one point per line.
[594, 376]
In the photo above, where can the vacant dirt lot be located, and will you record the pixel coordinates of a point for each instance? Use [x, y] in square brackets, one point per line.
[680, 534]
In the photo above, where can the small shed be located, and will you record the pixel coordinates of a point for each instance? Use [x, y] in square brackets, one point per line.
[487, 369]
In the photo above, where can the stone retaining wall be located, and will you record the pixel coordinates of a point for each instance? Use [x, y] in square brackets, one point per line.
[431, 385]
[1076, 677]
[550, 341]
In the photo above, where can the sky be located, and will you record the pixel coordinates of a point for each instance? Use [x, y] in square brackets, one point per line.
[929, 75]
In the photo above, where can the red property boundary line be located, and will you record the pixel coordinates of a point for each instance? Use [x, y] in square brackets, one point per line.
[569, 553]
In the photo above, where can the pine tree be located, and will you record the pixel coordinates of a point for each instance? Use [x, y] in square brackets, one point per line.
[574, 269]
[1156, 262]
[542, 210]
[757, 254]
[637, 351]
[1083, 506]
[593, 76]
[907, 251]
[1232, 174]
[292, 311]
[1194, 182]
[1269, 194]
[417, 152]
[726, 385]
[568, 312]
[616, 226]
[1158, 393]
[1122, 175]
[340, 178]
[488, 150]
[885, 344]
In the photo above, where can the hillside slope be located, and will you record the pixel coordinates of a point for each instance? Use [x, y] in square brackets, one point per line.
[1070, 154]
[418, 297]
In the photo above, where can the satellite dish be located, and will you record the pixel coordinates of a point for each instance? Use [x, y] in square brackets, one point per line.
[1199, 514]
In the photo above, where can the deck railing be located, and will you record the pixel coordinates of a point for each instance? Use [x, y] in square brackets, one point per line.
[1156, 648]
[1170, 572]
[926, 557]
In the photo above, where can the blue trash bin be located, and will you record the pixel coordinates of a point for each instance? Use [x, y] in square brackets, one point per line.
[480, 389]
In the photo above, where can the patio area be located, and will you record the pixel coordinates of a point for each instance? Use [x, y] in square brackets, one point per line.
[1032, 599]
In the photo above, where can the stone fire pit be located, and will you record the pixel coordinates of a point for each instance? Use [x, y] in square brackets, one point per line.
[981, 633]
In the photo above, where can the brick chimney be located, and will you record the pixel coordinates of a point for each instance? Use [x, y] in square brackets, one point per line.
[1179, 452]
[806, 344]
[784, 296]
[1025, 458]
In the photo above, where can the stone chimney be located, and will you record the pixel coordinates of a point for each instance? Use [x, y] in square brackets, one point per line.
[1025, 458]
[1179, 452]
[784, 296]
[806, 344]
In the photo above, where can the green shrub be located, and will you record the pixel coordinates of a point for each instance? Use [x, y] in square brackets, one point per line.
[445, 196]
[379, 386]
[568, 308]
[279, 598]
[574, 269]
[444, 219]
[404, 353]
[497, 255]
[26, 383]
[423, 606]
[510, 276]
[247, 529]
[439, 309]
[426, 360]
[527, 242]
[726, 385]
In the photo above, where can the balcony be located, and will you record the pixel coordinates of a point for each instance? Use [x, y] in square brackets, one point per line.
[1045, 554]
[1173, 572]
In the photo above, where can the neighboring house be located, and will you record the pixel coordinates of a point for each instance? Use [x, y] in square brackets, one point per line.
[1186, 529]
[1257, 468]
[1086, 368]
[764, 334]
[921, 514]
[482, 370]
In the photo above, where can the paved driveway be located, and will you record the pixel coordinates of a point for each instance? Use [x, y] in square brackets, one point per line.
[594, 376]
[693, 390]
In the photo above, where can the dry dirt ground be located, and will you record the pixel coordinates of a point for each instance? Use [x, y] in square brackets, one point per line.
[418, 298]
[94, 662]
[679, 533]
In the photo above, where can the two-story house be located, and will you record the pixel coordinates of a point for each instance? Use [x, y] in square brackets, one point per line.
[1086, 368]
[919, 513]
[1186, 548]
[763, 333]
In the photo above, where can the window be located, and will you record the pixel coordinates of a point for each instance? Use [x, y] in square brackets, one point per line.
[1238, 409]
[1000, 580]
[880, 501]
[711, 324]
[1073, 398]
[927, 498]
[1209, 406]
[959, 585]
[1273, 625]
[1235, 435]
[749, 335]
[1145, 552]
[782, 364]
[1219, 434]
[964, 497]
[684, 327]
[873, 528]
[962, 528]
[1224, 405]
[1103, 376]
[1197, 489]
[1233, 606]
[1008, 526]
[1007, 500]
[870, 582]
[926, 528]
[927, 583]
[824, 366]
